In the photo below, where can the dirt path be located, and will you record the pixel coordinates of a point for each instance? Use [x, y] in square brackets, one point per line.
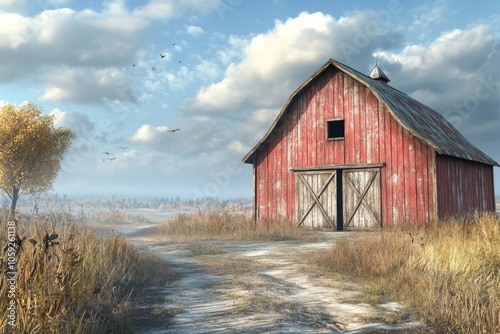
[249, 287]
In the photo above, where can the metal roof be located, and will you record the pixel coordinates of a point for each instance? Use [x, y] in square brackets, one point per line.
[418, 119]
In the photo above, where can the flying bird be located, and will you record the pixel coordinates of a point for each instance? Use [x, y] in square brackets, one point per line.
[180, 61]
[134, 65]
[111, 159]
[106, 153]
[154, 69]
[173, 44]
[162, 56]
[173, 130]
[123, 147]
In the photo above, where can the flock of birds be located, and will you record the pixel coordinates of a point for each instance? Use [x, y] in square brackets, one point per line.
[110, 156]
[161, 57]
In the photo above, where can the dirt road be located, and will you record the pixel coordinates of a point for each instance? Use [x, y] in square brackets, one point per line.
[249, 287]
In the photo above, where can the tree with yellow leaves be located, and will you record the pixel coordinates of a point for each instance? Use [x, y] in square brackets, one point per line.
[31, 150]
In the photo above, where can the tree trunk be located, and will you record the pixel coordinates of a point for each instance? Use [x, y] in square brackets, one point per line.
[13, 203]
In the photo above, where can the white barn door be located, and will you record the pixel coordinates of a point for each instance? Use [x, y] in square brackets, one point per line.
[361, 198]
[317, 199]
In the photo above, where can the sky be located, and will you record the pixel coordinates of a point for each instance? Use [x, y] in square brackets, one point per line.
[124, 74]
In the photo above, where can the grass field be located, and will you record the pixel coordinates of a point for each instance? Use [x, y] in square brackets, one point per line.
[448, 272]
[69, 279]
[225, 225]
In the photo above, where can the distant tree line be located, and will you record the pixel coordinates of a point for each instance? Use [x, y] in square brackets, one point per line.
[56, 202]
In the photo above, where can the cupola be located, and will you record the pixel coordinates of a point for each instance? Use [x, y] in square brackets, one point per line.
[378, 75]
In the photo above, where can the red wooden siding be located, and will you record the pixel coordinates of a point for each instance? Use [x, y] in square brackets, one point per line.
[463, 187]
[372, 135]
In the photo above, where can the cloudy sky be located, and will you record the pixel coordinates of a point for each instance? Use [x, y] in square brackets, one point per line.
[227, 68]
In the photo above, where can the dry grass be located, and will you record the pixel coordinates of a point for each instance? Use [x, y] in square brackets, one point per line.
[227, 225]
[449, 272]
[113, 218]
[70, 280]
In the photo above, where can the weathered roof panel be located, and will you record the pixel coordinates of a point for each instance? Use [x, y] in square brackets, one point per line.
[420, 120]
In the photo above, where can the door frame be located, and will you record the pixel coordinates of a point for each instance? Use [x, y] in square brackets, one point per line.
[338, 175]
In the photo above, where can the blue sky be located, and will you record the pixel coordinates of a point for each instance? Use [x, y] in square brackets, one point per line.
[229, 67]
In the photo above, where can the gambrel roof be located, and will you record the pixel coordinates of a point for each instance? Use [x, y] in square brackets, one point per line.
[418, 119]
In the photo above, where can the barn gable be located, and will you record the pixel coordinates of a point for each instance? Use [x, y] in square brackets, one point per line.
[349, 151]
[420, 120]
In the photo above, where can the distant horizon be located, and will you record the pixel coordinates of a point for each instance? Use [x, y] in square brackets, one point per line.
[109, 196]
[105, 203]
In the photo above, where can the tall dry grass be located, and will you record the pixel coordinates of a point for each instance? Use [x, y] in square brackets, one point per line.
[448, 272]
[70, 280]
[225, 224]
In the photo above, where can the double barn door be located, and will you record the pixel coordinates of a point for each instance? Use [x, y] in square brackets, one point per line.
[339, 198]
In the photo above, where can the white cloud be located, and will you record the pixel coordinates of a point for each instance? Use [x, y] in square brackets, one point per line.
[150, 135]
[264, 116]
[76, 121]
[14, 31]
[87, 140]
[165, 9]
[234, 50]
[60, 44]
[88, 85]
[238, 147]
[208, 70]
[7, 3]
[445, 68]
[156, 9]
[288, 54]
[53, 29]
[429, 14]
[131, 160]
[194, 30]
[67, 51]
[456, 49]
[56, 3]
[12, 4]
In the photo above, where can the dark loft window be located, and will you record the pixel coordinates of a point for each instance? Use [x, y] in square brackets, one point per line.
[335, 129]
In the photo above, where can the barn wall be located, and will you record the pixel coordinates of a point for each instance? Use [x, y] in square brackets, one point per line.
[464, 187]
[372, 135]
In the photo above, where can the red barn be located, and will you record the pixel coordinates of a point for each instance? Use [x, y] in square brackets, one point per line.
[349, 151]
